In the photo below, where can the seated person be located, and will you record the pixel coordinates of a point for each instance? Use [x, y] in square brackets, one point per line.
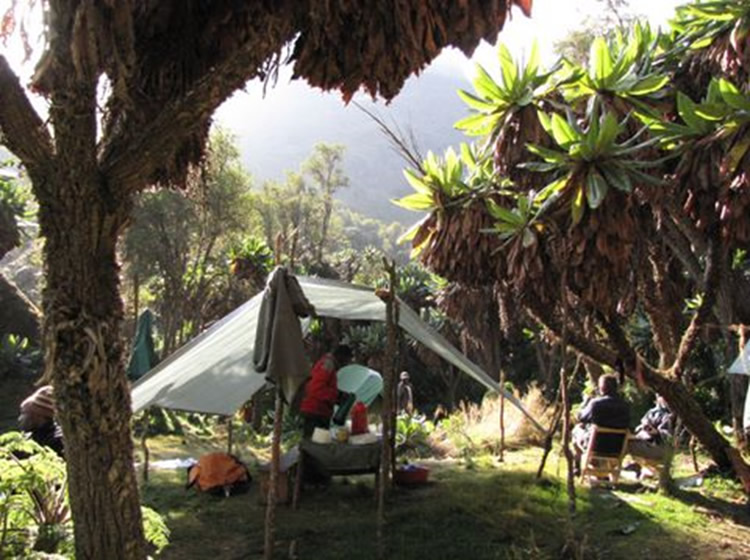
[653, 433]
[608, 410]
[38, 418]
[321, 390]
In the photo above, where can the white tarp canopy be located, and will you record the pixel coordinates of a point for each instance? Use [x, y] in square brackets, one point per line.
[741, 366]
[213, 373]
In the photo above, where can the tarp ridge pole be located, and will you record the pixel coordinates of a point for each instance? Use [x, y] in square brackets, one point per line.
[273, 476]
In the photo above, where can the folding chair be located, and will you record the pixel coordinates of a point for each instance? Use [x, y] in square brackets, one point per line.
[602, 458]
[652, 456]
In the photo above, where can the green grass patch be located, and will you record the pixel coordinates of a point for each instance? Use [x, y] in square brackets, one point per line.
[476, 508]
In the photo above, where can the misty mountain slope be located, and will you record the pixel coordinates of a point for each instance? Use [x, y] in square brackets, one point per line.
[277, 132]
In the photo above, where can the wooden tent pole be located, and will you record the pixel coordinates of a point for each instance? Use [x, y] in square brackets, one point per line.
[396, 368]
[136, 304]
[273, 477]
[556, 418]
[501, 454]
[230, 433]
[387, 411]
[567, 426]
[144, 443]
[565, 400]
[549, 437]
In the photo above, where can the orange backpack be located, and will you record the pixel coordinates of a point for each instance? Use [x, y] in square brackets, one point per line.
[219, 473]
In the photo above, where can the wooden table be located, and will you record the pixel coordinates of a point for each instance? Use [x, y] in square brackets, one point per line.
[338, 459]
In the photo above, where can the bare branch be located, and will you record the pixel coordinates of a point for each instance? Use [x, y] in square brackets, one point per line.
[589, 348]
[680, 246]
[406, 148]
[21, 128]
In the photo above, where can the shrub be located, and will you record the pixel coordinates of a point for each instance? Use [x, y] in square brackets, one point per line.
[413, 436]
[34, 513]
[474, 429]
[35, 517]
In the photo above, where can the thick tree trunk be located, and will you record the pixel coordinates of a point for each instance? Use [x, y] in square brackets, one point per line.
[18, 315]
[83, 316]
[82, 212]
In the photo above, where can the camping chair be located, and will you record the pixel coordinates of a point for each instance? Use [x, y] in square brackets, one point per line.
[654, 457]
[603, 455]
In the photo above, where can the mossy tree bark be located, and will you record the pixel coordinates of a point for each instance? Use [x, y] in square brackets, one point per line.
[81, 218]
[84, 354]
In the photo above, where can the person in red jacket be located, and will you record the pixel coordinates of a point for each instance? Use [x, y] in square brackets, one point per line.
[321, 391]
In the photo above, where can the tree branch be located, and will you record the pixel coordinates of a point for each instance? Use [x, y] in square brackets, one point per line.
[21, 128]
[589, 348]
[680, 246]
[688, 229]
[712, 277]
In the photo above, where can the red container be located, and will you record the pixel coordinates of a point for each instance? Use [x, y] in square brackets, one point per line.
[411, 475]
[359, 419]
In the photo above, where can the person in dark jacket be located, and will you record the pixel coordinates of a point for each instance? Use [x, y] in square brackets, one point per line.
[37, 417]
[321, 390]
[608, 410]
[654, 432]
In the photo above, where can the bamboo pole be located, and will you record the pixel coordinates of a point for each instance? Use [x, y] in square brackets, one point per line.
[273, 477]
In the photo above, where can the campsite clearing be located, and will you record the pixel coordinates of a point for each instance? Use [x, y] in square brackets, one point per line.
[474, 508]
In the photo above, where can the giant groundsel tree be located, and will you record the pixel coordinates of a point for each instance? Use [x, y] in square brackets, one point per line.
[596, 193]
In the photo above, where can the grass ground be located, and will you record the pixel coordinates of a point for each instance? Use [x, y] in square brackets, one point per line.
[480, 509]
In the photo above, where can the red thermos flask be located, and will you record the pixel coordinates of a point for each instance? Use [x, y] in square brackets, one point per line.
[359, 419]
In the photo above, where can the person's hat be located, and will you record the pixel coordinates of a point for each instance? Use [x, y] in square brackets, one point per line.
[41, 403]
[404, 375]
